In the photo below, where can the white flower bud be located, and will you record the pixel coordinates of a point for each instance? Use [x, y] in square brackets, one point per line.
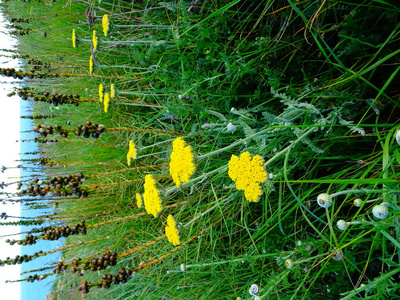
[380, 211]
[289, 264]
[338, 255]
[231, 127]
[342, 224]
[324, 200]
[179, 96]
[358, 202]
[183, 268]
[254, 289]
[398, 137]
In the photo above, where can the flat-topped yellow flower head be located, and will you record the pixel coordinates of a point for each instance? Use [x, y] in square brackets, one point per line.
[248, 173]
[171, 231]
[101, 92]
[106, 101]
[151, 196]
[105, 24]
[73, 38]
[112, 91]
[94, 40]
[181, 166]
[131, 153]
[139, 201]
[91, 64]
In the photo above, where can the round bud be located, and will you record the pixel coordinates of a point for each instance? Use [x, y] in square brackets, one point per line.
[380, 211]
[337, 255]
[254, 289]
[342, 224]
[289, 264]
[358, 202]
[324, 200]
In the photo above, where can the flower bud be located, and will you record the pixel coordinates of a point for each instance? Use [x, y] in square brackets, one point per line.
[380, 211]
[324, 200]
[342, 224]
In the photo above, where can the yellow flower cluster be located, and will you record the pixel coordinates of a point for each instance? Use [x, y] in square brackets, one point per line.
[139, 201]
[171, 231]
[181, 166]
[73, 38]
[101, 92]
[151, 196]
[106, 101]
[94, 40]
[112, 91]
[91, 64]
[105, 24]
[248, 173]
[131, 153]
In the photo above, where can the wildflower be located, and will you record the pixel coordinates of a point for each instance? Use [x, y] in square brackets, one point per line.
[324, 200]
[289, 264]
[173, 116]
[139, 201]
[398, 136]
[358, 202]
[187, 97]
[227, 70]
[101, 92]
[151, 196]
[248, 173]
[231, 128]
[181, 166]
[94, 40]
[342, 224]
[254, 289]
[171, 231]
[131, 153]
[112, 91]
[106, 101]
[105, 24]
[208, 52]
[73, 38]
[91, 64]
[337, 255]
[380, 211]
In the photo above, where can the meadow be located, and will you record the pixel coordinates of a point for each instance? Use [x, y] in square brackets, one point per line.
[214, 149]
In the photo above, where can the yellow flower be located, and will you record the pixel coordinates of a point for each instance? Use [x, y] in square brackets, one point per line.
[105, 24]
[248, 173]
[112, 91]
[208, 52]
[171, 231]
[106, 101]
[94, 40]
[101, 92]
[139, 201]
[151, 196]
[73, 38]
[131, 153]
[91, 64]
[181, 166]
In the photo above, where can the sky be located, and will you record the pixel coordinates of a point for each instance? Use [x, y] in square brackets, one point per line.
[9, 153]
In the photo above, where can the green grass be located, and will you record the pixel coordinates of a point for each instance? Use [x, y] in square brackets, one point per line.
[308, 86]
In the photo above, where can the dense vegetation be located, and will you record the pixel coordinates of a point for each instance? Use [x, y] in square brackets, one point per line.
[261, 136]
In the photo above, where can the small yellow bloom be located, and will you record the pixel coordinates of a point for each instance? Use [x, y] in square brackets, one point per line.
[208, 52]
[94, 40]
[151, 196]
[248, 173]
[91, 64]
[181, 166]
[106, 101]
[101, 92]
[112, 91]
[139, 201]
[73, 38]
[105, 24]
[171, 231]
[131, 153]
